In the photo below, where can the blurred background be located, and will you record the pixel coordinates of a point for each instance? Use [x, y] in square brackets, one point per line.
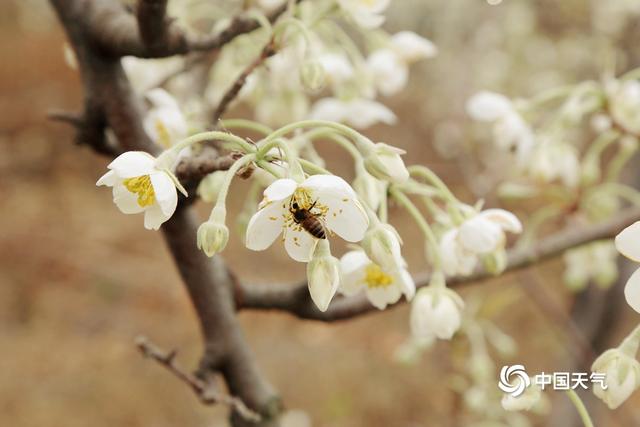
[79, 281]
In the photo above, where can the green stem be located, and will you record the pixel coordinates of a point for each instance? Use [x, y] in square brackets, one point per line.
[246, 124]
[340, 128]
[214, 135]
[295, 170]
[313, 168]
[383, 209]
[429, 175]
[624, 191]
[338, 139]
[228, 178]
[582, 410]
[422, 223]
[624, 154]
[269, 168]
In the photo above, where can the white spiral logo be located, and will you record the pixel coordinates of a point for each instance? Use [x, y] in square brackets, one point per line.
[522, 381]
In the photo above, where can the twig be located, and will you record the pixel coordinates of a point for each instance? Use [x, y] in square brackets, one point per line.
[205, 392]
[268, 51]
[295, 299]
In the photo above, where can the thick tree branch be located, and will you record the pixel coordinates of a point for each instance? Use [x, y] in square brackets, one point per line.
[205, 391]
[296, 300]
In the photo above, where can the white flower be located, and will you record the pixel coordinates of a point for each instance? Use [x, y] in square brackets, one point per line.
[622, 377]
[412, 47]
[329, 198]
[142, 183]
[628, 244]
[323, 276]
[596, 261]
[164, 122]
[555, 161]
[436, 310]
[624, 100]
[383, 161]
[509, 128]
[366, 13]
[337, 67]
[382, 286]
[524, 402]
[359, 113]
[481, 234]
[390, 73]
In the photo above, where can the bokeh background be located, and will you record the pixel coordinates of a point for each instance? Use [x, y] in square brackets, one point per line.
[79, 281]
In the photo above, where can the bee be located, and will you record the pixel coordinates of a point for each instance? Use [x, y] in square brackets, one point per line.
[308, 220]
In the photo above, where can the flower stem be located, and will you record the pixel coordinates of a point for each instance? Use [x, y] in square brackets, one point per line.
[340, 128]
[582, 410]
[231, 173]
[422, 223]
[246, 124]
[429, 175]
[313, 168]
[338, 139]
[214, 135]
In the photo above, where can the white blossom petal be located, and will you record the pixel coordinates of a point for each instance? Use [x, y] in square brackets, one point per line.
[413, 47]
[505, 219]
[346, 217]
[109, 179]
[381, 296]
[488, 106]
[154, 217]
[480, 235]
[632, 291]
[165, 192]
[132, 163]
[126, 201]
[264, 227]
[280, 189]
[628, 242]
[299, 244]
[352, 272]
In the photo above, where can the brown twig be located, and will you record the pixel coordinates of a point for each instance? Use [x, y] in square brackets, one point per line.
[231, 93]
[205, 391]
[295, 299]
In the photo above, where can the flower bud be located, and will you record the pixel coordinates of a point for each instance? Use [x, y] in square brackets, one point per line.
[369, 189]
[524, 402]
[211, 185]
[622, 377]
[213, 235]
[382, 243]
[383, 161]
[436, 311]
[323, 275]
[313, 76]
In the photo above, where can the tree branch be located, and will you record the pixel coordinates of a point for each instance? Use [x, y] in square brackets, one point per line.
[205, 391]
[296, 300]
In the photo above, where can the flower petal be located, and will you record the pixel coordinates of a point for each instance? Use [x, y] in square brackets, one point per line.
[328, 185]
[632, 291]
[109, 179]
[505, 219]
[299, 244]
[165, 191]
[154, 217]
[628, 242]
[480, 235]
[352, 271]
[382, 296]
[488, 106]
[126, 201]
[132, 164]
[346, 217]
[264, 226]
[405, 283]
[280, 189]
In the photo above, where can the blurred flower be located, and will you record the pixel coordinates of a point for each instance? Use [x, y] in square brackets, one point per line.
[337, 68]
[147, 74]
[369, 189]
[411, 47]
[211, 185]
[624, 101]
[622, 373]
[382, 286]
[436, 310]
[628, 244]
[164, 122]
[510, 131]
[359, 113]
[323, 275]
[142, 184]
[366, 13]
[312, 76]
[524, 402]
[595, 261]
[328, 198]
[555, 161]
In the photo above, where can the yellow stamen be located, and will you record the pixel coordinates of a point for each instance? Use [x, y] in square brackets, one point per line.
[163, 134]
[376, 278]
[141, 185]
